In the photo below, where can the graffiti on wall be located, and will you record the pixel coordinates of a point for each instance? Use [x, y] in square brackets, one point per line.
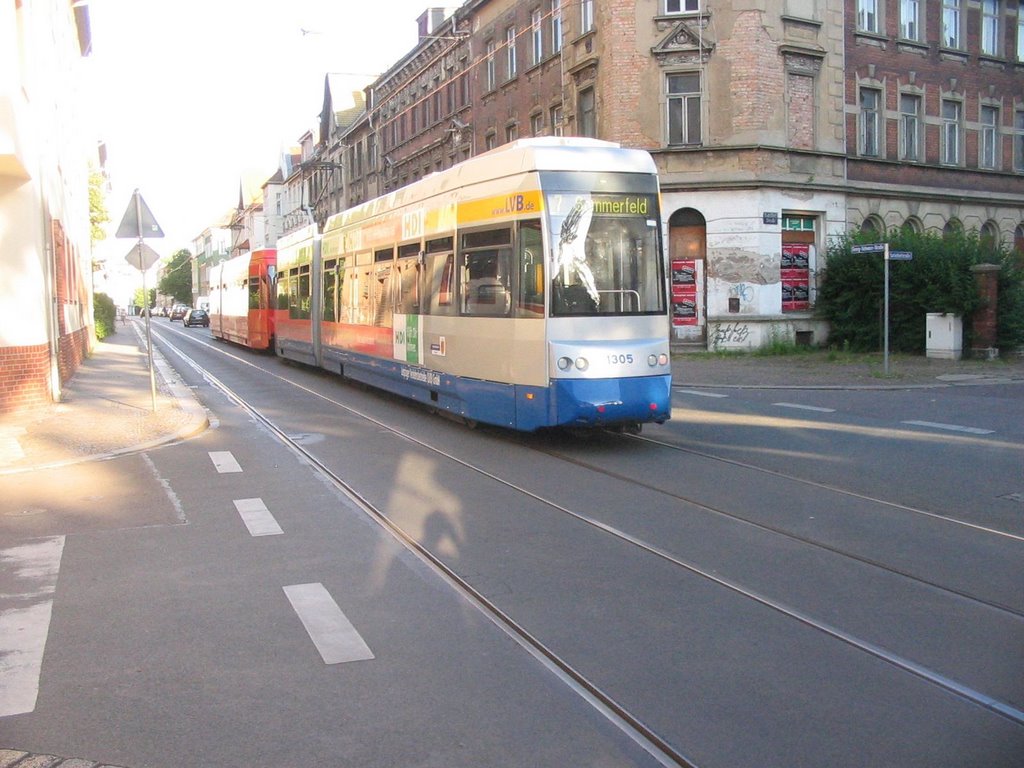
[730, 333]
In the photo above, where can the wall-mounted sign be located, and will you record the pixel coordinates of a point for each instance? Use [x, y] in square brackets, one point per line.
[770, 217]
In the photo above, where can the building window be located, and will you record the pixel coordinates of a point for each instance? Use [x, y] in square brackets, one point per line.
[537, 36]
[870, 100]
[1020, 34]
[491, 75]
[1018, 141]
[537, 123]
[951, 23]
[490, 140]
[867, 15]
[556, 121]
[989, 236]
[990, 27]
[910, 19]
[951, 112]
[556, 26]
[681, 6]
[511, 133]
[587, 116]
[910, 127]
[510, 52]
[988, 153]
[586, 15]
[684, 109]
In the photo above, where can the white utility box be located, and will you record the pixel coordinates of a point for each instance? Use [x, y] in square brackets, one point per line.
[945, 336]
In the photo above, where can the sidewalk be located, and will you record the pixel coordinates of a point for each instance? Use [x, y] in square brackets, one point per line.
[107, 409]
[823, 369]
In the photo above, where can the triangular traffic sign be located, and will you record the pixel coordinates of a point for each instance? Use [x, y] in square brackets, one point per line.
[138, 220]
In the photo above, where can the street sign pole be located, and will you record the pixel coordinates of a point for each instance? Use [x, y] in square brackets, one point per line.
[149, 310]
[142, 258]
[885, 354]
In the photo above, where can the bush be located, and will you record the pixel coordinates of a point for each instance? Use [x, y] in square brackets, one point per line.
[937, 279]
[104, 314]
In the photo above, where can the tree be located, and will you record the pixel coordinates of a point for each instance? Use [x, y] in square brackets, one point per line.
[937, 279]
[140, 301]
[98, 215]
[177, 278]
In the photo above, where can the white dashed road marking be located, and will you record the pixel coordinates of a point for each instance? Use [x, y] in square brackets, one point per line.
[329, 629]
[950, 427]
[224, 461]
[257, 517]
[29, 574]
[698, 393]
[805, 407]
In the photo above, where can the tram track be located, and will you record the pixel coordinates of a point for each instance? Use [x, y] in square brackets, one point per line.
[786, 533]
[615, 712]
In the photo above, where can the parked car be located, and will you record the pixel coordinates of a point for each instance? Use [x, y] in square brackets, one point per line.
[178, 312]
[196, 317]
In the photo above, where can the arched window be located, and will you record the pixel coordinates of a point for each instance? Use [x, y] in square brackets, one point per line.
[1018, 243]
[912, 226]
[953, 227]
[990, 238]
[872, 225]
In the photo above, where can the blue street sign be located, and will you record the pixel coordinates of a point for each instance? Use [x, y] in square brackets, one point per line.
[900, 255]
[868, 248]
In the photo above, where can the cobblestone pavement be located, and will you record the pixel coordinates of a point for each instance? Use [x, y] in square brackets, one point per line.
[10, 758]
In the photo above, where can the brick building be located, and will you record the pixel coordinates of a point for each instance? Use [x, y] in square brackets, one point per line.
[775, 126]
[46, 325]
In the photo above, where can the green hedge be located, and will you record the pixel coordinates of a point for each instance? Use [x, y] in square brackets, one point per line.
[104, 314]
[937, 279]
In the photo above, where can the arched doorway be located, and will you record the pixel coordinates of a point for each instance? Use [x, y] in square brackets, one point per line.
[687, 254]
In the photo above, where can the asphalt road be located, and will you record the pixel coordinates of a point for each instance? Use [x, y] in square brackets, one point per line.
[773, 578]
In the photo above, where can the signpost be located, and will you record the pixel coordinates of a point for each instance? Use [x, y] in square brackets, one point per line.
[886, 257]
[138, 222]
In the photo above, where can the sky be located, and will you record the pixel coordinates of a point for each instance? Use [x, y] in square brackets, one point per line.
[192, 95]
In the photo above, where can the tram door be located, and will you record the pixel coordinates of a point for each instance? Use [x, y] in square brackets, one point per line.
[687, 253]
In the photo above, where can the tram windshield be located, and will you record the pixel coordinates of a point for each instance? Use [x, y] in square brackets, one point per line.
[606, 258]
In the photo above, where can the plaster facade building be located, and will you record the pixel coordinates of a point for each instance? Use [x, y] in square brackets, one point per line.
[46, 311]
[776, 127]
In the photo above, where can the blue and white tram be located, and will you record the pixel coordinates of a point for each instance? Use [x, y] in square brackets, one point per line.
[524, 287]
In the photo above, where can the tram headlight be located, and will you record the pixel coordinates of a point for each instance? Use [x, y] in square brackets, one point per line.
[653, 359]
[662, 359]
[564, 363]
[582, 364]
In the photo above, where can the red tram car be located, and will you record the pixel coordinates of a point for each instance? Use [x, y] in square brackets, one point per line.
[242, 299]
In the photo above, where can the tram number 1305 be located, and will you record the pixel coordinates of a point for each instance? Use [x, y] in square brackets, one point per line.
[623, 359]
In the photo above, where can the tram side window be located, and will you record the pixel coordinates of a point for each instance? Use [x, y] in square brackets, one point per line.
[283, 299]
[254, 293]
[330, 290]
[299, 294]
[383, 296]
[485, 262]
[409, 279]
[531, 271]
[440, 273]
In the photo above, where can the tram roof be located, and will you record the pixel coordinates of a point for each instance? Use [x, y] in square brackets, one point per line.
[548, 153]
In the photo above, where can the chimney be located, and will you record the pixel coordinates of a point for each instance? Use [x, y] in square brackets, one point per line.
[430, 21]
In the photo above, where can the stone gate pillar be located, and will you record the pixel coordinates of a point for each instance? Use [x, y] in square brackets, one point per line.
[983, 322]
